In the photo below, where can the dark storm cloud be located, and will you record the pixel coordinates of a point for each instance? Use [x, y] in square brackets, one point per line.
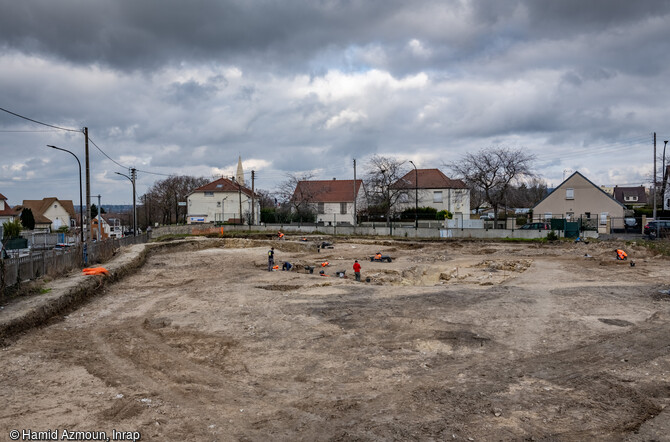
[186, 87]
[148, 34]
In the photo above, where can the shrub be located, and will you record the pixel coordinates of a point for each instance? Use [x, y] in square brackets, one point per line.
[444, 214]
[11, 229]
[551, 236]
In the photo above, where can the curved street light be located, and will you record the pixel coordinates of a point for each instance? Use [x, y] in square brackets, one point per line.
[134, 209]
[416, 196]
[81, 213]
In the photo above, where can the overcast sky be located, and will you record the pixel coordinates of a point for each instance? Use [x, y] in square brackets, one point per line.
[176, 87]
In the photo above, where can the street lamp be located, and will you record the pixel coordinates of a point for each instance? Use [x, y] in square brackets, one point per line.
[416, 196]
[665, 144]
[81, 210]
[134, 207]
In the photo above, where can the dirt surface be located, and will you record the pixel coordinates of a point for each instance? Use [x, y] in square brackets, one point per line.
[450, 341]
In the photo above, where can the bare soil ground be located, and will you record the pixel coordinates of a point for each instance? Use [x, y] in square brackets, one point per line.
[451, 341]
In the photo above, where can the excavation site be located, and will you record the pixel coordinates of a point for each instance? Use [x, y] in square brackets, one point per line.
[445, 340]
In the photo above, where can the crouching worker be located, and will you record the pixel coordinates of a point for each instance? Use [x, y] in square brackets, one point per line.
[621, 255]
[287, 266]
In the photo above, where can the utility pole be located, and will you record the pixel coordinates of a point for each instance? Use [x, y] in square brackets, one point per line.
[88, 189]
[99, 212]
[655, 178]
[253, 199]
[239, 196]
[355, 213]
[133, 175]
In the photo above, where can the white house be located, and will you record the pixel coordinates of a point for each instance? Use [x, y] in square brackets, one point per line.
[6, 212]
[50, 213]
[223, 200]
[333, 200]
[434, 189]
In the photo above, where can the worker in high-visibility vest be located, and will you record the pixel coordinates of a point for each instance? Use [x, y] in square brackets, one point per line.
[621, 255]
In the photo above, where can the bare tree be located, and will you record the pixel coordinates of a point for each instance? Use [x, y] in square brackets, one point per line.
[527, 194]
[493, 171]
[381, 184]
[265, 199]
[299, 198]
[163, 197]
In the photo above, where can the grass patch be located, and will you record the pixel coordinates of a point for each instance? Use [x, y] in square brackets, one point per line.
[660, 247]
[525, 240]
[171, 237]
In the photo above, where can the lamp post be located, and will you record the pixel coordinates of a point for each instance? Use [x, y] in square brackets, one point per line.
[223, 210]
[416, 196]
[81, 209]
[665, 144]
[134, 207]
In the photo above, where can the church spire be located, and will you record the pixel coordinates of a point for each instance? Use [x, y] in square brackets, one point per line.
[240, 173]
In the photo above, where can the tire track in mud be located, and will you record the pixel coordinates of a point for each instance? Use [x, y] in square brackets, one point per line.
[306, 361]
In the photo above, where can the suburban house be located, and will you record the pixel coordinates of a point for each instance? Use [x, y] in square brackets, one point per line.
[6, 212]
[332, 200]
[631, 197]
[50, 213]
[434, 189]
[104, 228]
[577, 197]
[223, 200]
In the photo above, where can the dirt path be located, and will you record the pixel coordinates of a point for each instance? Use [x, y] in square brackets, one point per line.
[456, 340]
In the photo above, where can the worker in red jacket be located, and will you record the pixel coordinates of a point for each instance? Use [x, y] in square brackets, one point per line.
[357, 270]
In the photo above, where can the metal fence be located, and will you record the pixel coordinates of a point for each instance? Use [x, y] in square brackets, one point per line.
[53, 263]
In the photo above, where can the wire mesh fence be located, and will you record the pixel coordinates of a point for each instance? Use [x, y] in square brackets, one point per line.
[32, 264]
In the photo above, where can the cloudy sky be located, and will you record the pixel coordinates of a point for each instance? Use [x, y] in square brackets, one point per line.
[175, 87]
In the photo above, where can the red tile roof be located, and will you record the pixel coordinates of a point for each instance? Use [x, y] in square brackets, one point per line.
[223, 185]
[7, 211]
[39, 218]
[428, 179]
[327, 191]
[41, 206]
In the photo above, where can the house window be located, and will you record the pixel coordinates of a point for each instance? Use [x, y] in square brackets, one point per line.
[209, 193]
[547, 215]
[343, 208]
[569, 194]
[588, 215]
[218, 204]
[630, 198]
[320, 208]
[603, 218]
[437, 196]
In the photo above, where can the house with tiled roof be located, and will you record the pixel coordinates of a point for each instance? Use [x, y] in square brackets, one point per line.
[50, 213]
[222, 200]
[434, 189]
[6, 212]
[332, 200]
[631, 197]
